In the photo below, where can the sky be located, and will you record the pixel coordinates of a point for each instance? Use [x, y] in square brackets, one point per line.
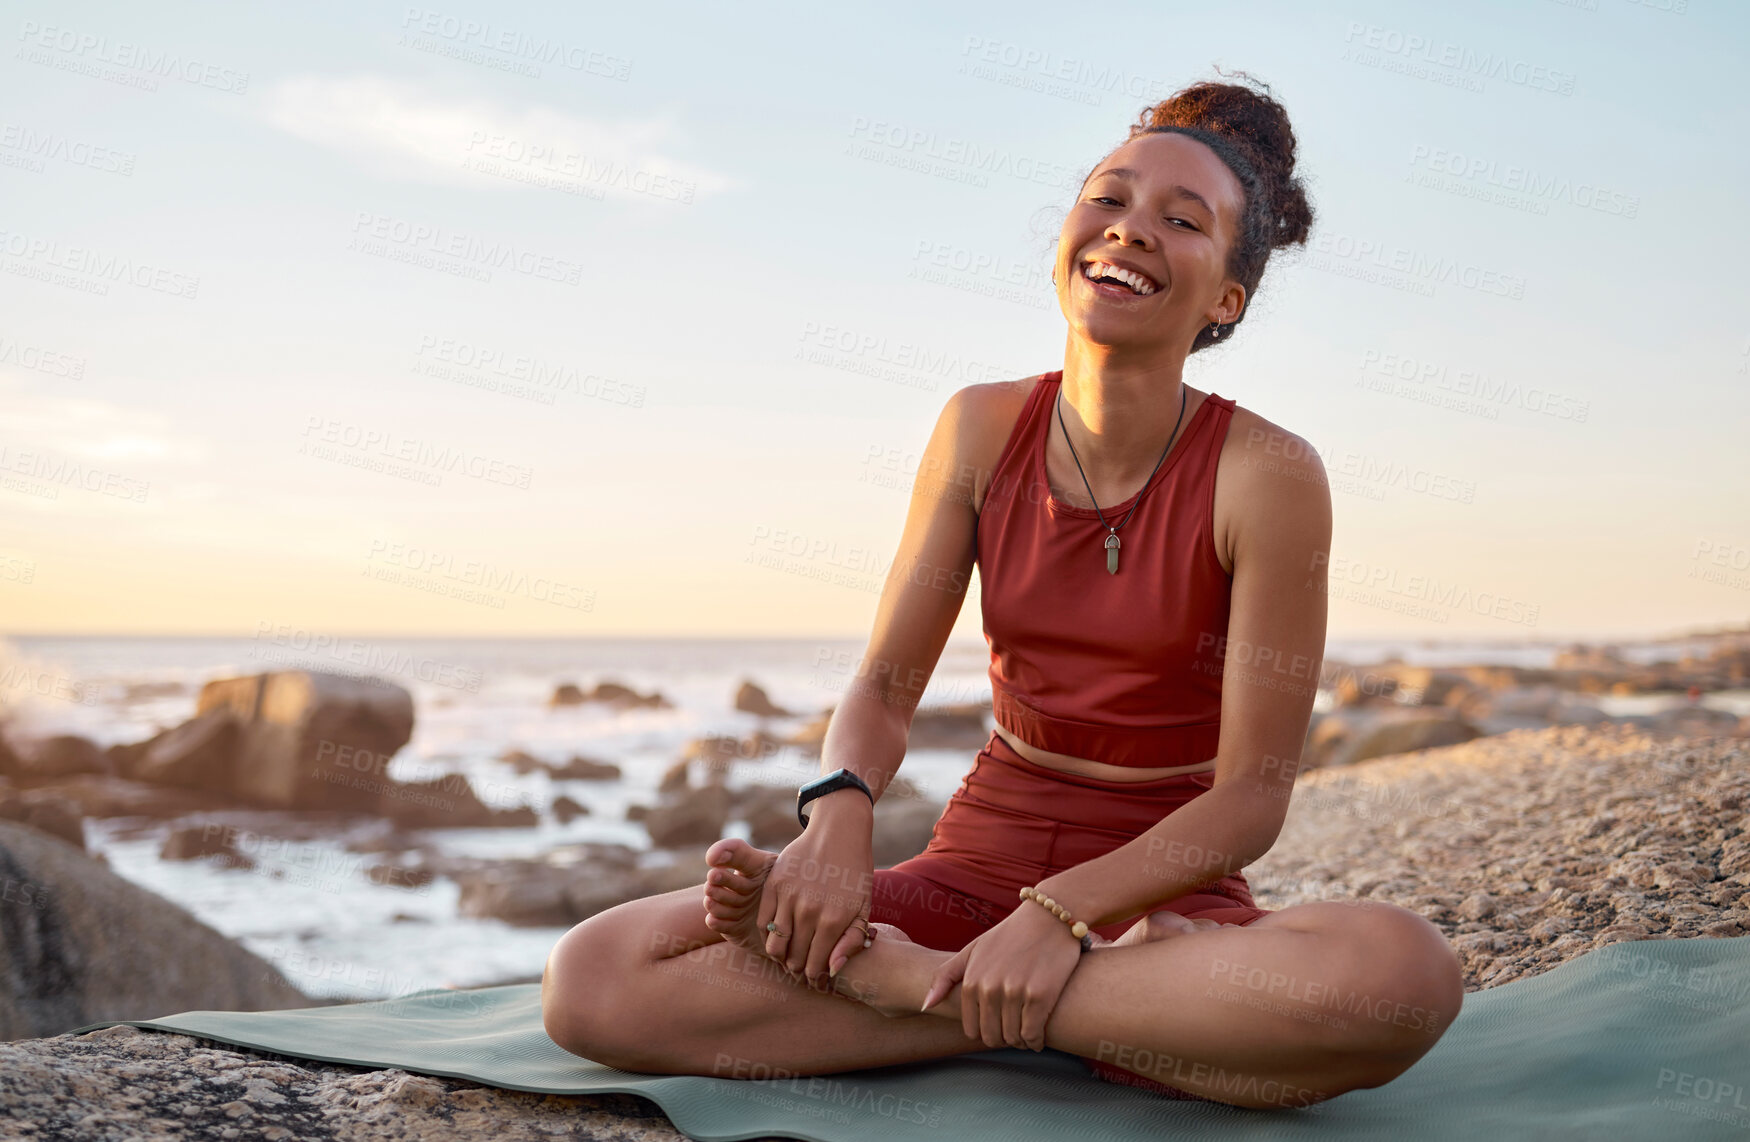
[572, 320]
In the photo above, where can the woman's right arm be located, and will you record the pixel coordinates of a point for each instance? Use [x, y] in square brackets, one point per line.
[824, 879]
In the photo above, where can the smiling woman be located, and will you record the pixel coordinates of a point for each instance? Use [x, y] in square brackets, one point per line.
[1083, 888]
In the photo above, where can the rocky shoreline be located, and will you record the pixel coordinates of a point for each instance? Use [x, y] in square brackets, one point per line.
[1533, 847]
[1528, 849]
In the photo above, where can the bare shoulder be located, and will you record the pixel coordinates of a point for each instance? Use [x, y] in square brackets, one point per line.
[986, 414]
[1268, 478]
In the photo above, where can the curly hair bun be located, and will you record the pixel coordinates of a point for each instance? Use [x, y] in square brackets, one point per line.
[1258, 126]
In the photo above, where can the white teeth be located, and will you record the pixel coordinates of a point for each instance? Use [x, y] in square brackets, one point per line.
[1137, 283]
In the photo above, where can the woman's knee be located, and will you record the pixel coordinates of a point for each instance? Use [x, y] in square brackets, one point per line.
[1416, 987]
[589, 986]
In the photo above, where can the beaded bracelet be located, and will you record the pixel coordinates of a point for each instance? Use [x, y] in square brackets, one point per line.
[1077, 929]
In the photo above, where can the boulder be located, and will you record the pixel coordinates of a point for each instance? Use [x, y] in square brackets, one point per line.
[1364, 688]
[523, 894]
[675, 778]
[312, 740]
[581, 768]
[902, 829]
[770, 813]
[1368, 733]
[47, 811]
[612, 693]
[566, 694]
[565, 810]
[54, 758]
[949, 727]
[1696, 720]
[446, 802]
[78, 944]
[569, 884]
[715, 753]
[100, 796]
[810, 737]
[690, 817]
[192, 842]
[520, 761]
[750, 699]
[198, 754]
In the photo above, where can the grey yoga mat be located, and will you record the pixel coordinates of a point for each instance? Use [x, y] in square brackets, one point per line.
[1648, 1039]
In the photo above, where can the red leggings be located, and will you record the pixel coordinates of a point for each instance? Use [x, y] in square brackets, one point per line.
[1013, 823]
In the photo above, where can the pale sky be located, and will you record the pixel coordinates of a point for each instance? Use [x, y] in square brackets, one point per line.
[264, 263]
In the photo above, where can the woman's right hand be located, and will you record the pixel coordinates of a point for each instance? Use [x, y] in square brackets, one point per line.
[822, 882]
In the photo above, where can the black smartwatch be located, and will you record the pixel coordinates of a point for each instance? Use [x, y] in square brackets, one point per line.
[831, 783]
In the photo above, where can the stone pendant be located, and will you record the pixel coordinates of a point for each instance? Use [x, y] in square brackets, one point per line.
[1112, 553]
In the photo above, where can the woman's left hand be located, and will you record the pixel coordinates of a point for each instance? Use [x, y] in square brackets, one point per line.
[1010, 978]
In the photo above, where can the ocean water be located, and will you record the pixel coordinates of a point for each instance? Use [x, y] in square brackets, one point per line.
[316, 911]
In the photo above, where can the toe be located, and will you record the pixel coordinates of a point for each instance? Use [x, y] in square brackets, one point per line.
[740, 857]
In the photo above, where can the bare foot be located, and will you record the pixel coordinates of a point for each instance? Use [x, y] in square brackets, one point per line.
[1161, 925]
[891, 975]
[732, 892]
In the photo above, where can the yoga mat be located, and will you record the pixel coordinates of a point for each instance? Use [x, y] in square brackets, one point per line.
[1645, 1039]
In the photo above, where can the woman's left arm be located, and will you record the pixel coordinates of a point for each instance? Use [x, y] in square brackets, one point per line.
[1274, 650]
[1012, 975]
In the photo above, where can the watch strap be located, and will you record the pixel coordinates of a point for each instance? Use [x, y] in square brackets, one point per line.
[831, 783]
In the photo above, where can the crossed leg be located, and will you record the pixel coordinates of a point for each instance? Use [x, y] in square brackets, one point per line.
[1300, 1006]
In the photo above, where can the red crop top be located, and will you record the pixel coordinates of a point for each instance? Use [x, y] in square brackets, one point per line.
[1126, 668]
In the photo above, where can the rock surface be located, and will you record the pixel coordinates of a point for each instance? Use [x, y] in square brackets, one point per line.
[1530, 848]
[79, 944]
[123, 1083]
[1527, 849]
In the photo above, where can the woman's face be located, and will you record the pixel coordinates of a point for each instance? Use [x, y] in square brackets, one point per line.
[1162, 205]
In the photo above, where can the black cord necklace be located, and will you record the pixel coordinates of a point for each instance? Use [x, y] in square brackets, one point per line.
[1111, 541]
